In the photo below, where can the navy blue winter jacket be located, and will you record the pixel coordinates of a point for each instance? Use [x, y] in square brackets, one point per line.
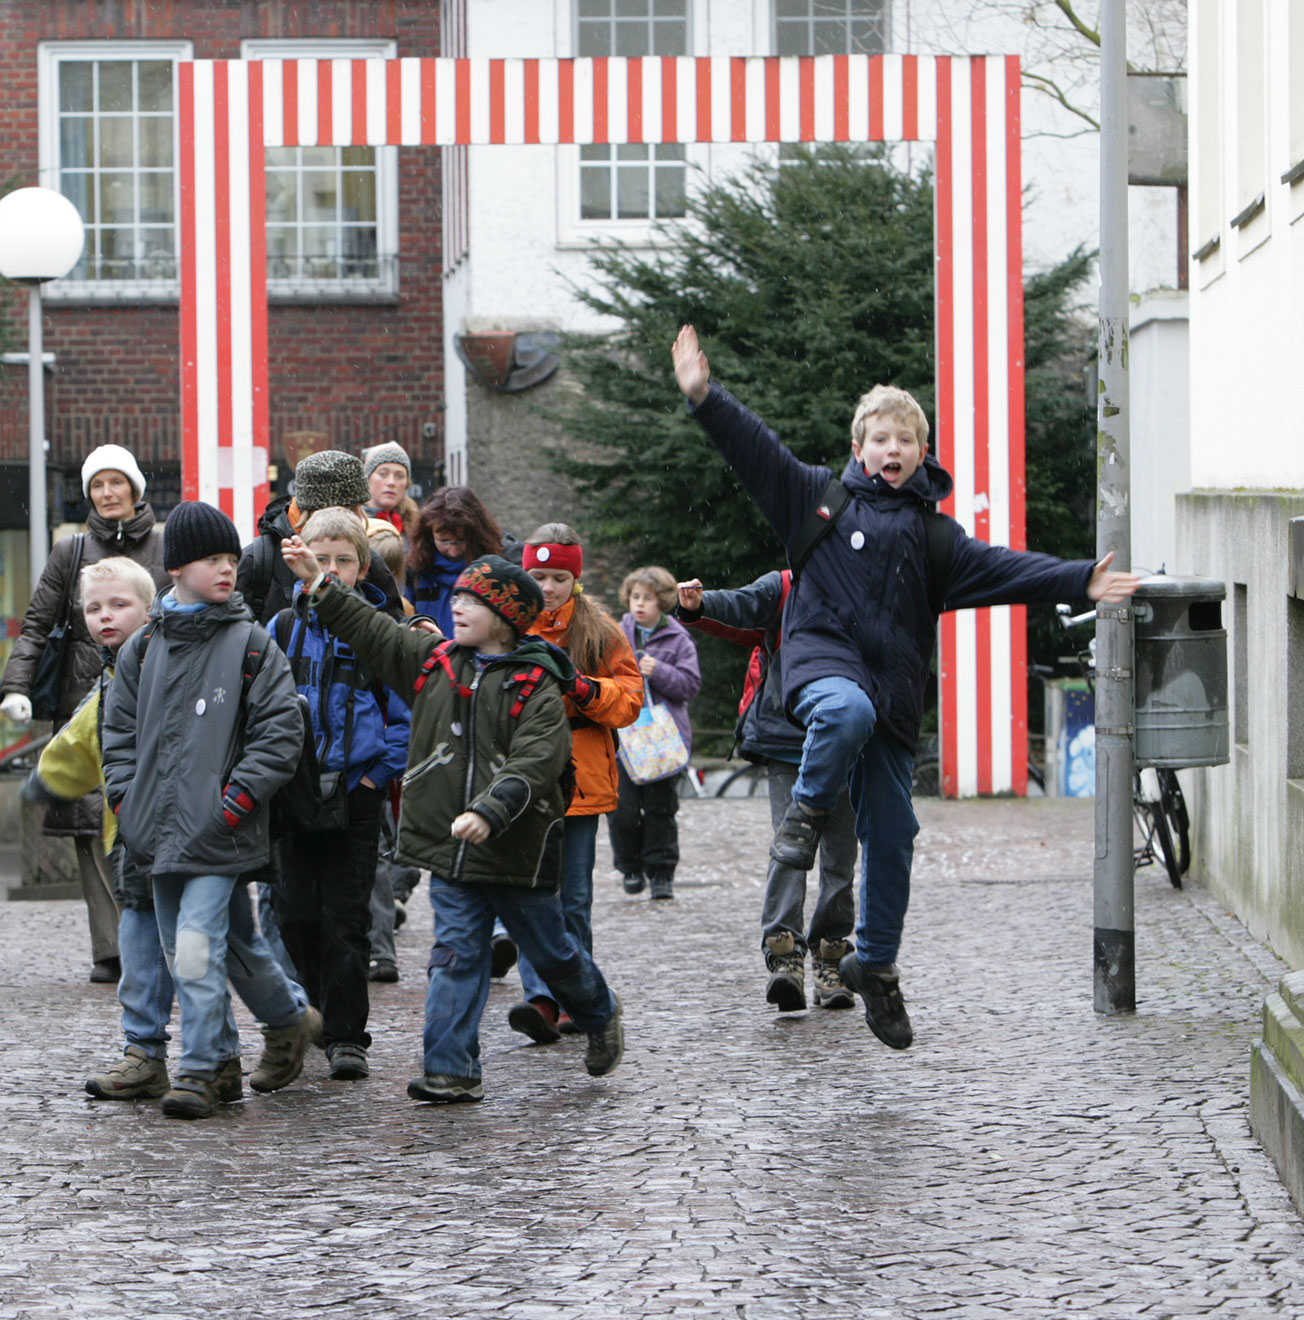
[861, 611]
[378, 746]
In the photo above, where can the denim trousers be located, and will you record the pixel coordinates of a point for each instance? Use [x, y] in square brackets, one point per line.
[643, 831]
[394, 882]
[145, 989]
[323, 907]
[206, 926]
[581, 843]
[842, 745]
[785, 886]
[460, 962]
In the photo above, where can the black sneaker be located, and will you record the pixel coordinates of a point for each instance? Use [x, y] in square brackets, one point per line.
[885, 1010]
[634, 884]
[662, 887]
[382, 969]
[606, 1045]
[442, 1089]
[503, 956]
[797, 839]
[786, 988]
[536, 1018]
[348, 1062]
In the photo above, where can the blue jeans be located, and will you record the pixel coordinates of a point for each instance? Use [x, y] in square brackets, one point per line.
[145, 989]
[460, 963]
[841, 745]
[206, 926]
[581, 841]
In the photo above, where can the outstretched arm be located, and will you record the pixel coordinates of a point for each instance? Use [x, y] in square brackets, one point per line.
[692, 370]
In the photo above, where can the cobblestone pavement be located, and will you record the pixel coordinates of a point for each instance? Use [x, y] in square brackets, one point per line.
[1026, 1158]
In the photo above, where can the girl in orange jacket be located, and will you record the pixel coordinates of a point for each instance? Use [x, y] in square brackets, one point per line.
[608, 695]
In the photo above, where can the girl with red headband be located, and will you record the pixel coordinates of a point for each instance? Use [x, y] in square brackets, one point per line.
[608, 695]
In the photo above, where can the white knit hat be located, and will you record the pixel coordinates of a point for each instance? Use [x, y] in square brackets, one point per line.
[112, 458]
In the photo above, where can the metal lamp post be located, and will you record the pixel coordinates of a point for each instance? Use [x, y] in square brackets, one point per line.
[41, 238]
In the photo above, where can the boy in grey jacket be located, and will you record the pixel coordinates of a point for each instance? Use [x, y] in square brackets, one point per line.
[193, 753]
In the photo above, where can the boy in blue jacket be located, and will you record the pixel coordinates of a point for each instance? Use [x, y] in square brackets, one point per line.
[859, 633]
[323, 897]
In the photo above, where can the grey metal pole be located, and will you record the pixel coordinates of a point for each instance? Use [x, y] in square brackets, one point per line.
[1114, 948]
[36, 513]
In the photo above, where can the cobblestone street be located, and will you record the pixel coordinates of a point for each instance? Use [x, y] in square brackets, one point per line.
[1026, 1158]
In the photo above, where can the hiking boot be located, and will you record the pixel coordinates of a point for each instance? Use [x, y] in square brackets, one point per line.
[190, 1097]
[536, 1018]
[885, 1010]
[502, 956]
[634, 884]
[831, 991]
[348, 1062]
[441, 1089]
[662, 885]
[382, 969]
[230, 1082]
[132, 1076]
[797, 839]
[606, 1045]
[786, 988]
[283, 1051]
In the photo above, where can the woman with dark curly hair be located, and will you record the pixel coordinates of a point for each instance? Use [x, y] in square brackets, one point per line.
[453, 529]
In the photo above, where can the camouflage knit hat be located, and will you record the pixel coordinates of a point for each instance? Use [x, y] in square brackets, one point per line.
[331, 479]
[388, 453]
[509, 591]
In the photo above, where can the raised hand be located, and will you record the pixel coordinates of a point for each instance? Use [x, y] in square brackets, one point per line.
[690, 595]
[692, 370]
[1108, 586]
[301, 561]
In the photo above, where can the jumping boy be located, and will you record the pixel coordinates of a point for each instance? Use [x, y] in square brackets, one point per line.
[483, 804]
[859, 632]
[192, 755]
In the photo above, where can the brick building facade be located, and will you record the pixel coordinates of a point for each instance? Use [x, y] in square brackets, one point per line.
[356, 309]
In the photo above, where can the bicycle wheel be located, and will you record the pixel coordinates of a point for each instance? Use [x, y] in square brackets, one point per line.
[1162, 835]
[1173, 805]
[926, 780]
[754, 774]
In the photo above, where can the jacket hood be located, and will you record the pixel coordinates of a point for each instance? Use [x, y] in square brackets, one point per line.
[930, 483]
[130, 531]
[275, 519]
[204, 622]
[369, 592]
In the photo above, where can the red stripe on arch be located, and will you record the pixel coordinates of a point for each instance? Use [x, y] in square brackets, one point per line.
[531, 100]
[497, 101]
[189, 321]
[393, 103]
[258, 277]
[325, 125]
[876, 98]
[429, 104]
[704, 133]
[566, 101]
[670, 101]
[222, 231]
[634, 100]
[841, 98]
[358, 110]
[463, 98]
[910, 96]
[738, 99]
[981, 403]
[601, 127]
[806, 79]
[290, 103]
[773, 108]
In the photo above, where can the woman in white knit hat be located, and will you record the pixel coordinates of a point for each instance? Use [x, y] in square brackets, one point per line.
[120, 523]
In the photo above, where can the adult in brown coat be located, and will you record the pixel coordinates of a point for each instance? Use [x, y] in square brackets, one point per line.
[120, 523]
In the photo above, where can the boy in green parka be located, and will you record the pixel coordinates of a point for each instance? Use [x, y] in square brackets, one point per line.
[483, 803]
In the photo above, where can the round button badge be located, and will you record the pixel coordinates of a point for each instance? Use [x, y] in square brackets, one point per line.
[858, 540]
[543, 554]
[200, 706]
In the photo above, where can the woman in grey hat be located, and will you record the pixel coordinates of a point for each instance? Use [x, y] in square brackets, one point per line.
[388, 471]
[120, 522]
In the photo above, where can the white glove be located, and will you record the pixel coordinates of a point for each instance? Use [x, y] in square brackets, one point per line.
[17, 707]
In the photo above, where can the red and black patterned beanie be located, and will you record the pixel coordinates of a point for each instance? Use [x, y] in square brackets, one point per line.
[509, 591]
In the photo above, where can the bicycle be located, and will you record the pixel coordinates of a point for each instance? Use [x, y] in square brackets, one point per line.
[1158, 805]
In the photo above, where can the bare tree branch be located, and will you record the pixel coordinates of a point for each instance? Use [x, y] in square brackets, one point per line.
[1056, 93]
[1066, 8]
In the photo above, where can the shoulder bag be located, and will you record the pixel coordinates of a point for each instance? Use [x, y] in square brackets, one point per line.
[47, 681]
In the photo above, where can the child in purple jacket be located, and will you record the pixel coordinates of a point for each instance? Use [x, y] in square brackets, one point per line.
[644, 834]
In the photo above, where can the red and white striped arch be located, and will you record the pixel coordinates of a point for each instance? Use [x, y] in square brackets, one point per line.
[968, 106]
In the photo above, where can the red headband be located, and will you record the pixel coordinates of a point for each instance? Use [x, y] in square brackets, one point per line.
[567, 558]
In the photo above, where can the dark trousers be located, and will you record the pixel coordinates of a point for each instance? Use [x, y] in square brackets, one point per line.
[323, 907]
[643, 830]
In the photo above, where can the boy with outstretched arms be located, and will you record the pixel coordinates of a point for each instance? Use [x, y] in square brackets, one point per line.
[859, 632]
[483, 804]
[192, 756]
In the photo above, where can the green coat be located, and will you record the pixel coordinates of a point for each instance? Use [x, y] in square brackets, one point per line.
[469, 753]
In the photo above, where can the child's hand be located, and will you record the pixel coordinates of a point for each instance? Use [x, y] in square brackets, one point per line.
[301, 561]
[692, 370]
[690, 595]
[471, 826]
[647, 664]
[423, 624]
[1109, 587]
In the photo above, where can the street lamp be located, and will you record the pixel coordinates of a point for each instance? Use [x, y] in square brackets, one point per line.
[41, 238]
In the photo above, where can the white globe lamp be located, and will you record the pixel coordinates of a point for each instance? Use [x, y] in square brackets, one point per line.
[41, 238]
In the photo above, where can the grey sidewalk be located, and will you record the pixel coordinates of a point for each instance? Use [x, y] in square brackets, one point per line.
[1025, 1158]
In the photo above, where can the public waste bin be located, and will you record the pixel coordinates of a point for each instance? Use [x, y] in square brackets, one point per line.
[1181, 672]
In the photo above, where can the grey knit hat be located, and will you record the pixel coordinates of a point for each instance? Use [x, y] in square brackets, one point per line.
[389, 453]
[331, 479]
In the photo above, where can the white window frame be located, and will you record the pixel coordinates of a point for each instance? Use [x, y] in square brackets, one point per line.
[886, 12]
[572, 230]
[385, 287]
[50, 54]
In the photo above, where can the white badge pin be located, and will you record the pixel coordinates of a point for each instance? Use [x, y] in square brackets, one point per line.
[543, 554]
[457, 728]
[857, 540]
[200, 706]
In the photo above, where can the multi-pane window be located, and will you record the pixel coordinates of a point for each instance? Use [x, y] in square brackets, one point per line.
[830, 27]
[633, 182]
[110, 140]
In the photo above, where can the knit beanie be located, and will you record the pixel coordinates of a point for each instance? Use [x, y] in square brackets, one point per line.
[195, 531]
[509, 591]
[331, 479]
[112, 458]
[372, 458]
